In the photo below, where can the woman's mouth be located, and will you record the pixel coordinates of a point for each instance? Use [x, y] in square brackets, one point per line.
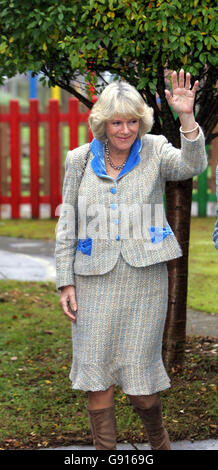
[124, 138]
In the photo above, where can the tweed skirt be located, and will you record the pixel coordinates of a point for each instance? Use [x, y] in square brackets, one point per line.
[117, 338]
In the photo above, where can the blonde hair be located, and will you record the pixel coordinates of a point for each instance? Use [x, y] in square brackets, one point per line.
[119, 98]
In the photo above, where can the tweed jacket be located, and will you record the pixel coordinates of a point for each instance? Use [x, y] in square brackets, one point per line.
[102, 216]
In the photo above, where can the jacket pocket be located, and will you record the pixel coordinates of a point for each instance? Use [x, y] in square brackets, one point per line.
[85, 246]
[159, 233]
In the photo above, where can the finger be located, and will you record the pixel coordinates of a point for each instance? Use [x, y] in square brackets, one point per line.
[188, 81]
[181, 78]
[65, 308]
[167, 95]
[174, 80]
[71, 316]
[195, 86]
[71, 309]
[73, 302]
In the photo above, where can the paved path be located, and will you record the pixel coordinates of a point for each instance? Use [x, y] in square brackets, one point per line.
[26, 259]
[210, 444]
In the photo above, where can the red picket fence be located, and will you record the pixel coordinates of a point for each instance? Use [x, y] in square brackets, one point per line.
[45, 162]
[33, 119]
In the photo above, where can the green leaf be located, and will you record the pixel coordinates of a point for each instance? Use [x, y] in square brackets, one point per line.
[142, 83]
[74, 9]
[61, 16]
[200, 46]
[202, 58]
[106, 41]
[152, 87]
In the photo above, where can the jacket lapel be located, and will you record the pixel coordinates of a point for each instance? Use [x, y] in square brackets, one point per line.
[98, 162]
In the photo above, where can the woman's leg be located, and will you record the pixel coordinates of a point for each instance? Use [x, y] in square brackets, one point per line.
[144, 401]
[149, 409]
[101, 412]
[101, 399]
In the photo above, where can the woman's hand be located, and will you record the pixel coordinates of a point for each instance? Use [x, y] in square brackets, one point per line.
[68, 301]
[182, 99]
[182, 102]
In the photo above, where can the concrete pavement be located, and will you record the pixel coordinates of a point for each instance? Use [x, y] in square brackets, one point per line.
[27, 259]
[210, 444]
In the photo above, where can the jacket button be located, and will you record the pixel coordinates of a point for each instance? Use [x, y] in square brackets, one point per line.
[113, 206]
[116, 221]
[113, 190]
[117, 237]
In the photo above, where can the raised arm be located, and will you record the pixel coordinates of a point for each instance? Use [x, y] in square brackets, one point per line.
[191, 159]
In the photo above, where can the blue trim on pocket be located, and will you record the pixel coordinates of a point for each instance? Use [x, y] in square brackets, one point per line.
[159, 233]
[85, 246]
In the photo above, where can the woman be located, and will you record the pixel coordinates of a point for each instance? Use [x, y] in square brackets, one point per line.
[115, 277]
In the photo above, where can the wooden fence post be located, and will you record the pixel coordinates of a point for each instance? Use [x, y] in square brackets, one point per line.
[34, 157]
[15, 158]
[54, 153]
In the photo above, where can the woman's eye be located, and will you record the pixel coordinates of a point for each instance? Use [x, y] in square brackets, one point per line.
[118, 123]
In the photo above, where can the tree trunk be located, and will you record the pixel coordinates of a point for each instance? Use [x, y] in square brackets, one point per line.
[178, 211]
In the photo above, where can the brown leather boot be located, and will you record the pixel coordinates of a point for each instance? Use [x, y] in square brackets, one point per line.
[152, 419]
[103, 427]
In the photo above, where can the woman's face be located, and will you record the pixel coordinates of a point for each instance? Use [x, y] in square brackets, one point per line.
[121, 132]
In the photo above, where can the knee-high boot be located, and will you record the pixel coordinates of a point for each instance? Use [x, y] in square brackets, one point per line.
[103, 427]
[152, 419]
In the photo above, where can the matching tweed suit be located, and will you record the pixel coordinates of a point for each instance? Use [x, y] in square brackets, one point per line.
[112, 244]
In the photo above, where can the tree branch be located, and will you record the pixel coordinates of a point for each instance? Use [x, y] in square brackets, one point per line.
[212, 136]
[66, 86]
[170, 127]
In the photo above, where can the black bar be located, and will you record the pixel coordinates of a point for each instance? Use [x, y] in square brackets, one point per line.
[96, 458]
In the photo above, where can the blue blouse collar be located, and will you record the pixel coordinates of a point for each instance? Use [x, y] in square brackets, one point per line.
[98, 162]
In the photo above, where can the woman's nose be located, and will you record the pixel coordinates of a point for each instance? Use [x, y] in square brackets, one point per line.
[125, 128]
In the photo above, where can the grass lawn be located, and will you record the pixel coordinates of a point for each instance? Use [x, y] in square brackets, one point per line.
[38, 406]
[203, 266]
